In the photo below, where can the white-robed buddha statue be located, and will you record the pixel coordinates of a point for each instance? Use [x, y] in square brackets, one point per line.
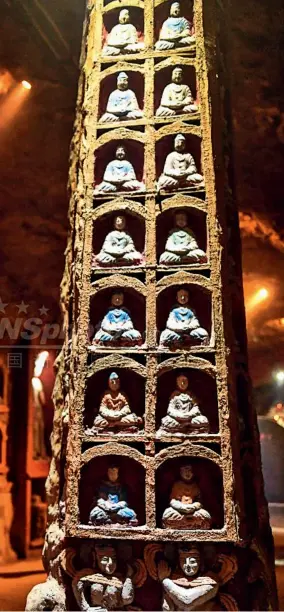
[116, 328]
[183, 414]
[179, 169]
[176, 31]
[122, 103]
[123, 38]
[119, 175]
[183, 327]
[118, 248]
[185, 510]
[176, 97]
[181, 246]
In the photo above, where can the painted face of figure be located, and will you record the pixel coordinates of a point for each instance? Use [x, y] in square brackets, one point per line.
[119, 223]
[186, 472]
[182, 382]
[182, 296]
[179, 143]
[120, 153]
[181, 220]
[113, 473]
[189, 563]
[124, 16]
[107, 561]
[122, 81]
[177, 75]
[114, 382]
[175, 9]
[117, 299]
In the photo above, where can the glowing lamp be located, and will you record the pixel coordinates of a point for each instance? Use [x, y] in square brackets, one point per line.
[280, 377]
[26, 85]
[262, 294]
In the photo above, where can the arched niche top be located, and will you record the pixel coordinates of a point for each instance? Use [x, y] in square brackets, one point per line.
[180, 201]
[116, 361]
[121, 66]
[113, 448]
[176, 128]
[119, 134]
[187, 449]
[119, 204]
[175, 61]
[120, 4]
[185, 362]
[120, 281]
[183, 278]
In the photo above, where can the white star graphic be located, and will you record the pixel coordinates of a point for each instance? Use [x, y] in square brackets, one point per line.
[2, 306]
[43, 311]
[22, 307]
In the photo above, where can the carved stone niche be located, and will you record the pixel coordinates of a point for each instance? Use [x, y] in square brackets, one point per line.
[106, 153]
[131, 478]
[111, 19]
[166, 145]
[207, 478]
[109, 85]
[105, 224]
[202, 390]
[162, 12]
[199, 302]
[196, 222]
[133, 302]
[132, 386]
[163, 78]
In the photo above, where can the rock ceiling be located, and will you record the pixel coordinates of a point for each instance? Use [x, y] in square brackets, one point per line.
[43, 47]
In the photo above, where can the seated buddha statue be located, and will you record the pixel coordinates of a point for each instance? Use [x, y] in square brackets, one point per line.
[183, 326]
[118, 248]
[116, 328]
[123, 38]
[175, 31]
[119, 175]
[122, 103]
[179, 169]
[183, 415]
[114, 412]
[185, 510]
[181, 246]
[176, 97]
[111, 507]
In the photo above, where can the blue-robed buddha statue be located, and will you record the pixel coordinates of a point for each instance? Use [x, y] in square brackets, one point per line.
[116, 328]
[111, 505]
[183, 327]
[122, 103]
[176, 31]
[119, 175]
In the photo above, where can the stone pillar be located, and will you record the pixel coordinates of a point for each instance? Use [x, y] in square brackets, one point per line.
[195, 532]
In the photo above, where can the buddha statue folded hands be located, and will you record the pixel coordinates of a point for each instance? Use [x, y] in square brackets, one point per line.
[118, 248]
[181, 246]
[183, 327]
[179, 169]
[185, 510]
[175, 32]
[122, 103]
[111, 506]
[119, 175]
[116, 328]
[183, 415]
[176, 97]
[123, 38]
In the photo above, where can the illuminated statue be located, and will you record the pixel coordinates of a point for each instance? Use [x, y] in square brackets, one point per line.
[118, 248]
[176, 98]
[122, 103]
[119, 175]
[111, 507]
[185, 510]
[114, 412]
[116, 328]
[183, 414]
[179, 169]
[175, 31]
[183, 326]
[123, 38]
[181, 246]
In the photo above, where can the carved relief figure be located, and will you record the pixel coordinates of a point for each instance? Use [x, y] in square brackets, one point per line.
[108, 590]
[114, 412]
[111, 507]
[119, 175]
[116, 328]
[185, 510]
[122, 103]
[176, 97]
[175, 31]
[179, 169]
[183, 414]
[183, 326]
[181, 246]
[118, 248]
[123, 38]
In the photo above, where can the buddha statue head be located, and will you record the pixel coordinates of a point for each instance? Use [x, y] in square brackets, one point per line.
[186, 472]
[189, 560]
[122, 81]
[179, 143]
[114, 382]
[182, 297]
[117, 299]
[175, 9]
[106, 559]
[119, 222]
[181, 220]
[177, 75]
[113, 473]
[120, 152]
[124, 16]
[182, 382]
